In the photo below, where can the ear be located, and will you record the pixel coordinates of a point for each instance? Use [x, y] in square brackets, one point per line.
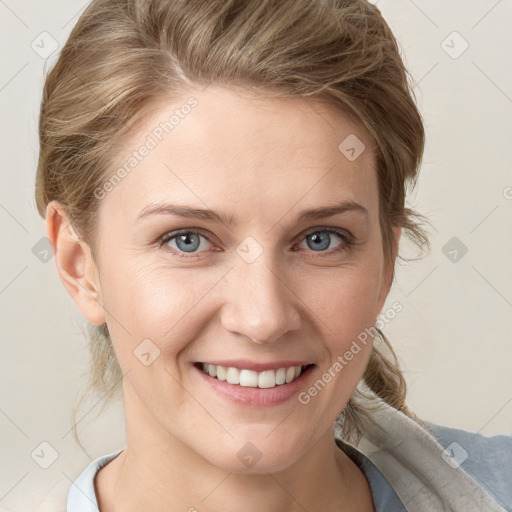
[389, 271]
[75, 265]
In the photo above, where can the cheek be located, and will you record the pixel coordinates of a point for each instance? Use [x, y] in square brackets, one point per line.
[345, 300]
[155, 303]
[170, 306]
[344, 304]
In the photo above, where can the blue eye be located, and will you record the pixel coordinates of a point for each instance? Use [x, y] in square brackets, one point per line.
[186, 241]
[191, 242]
[321, 240]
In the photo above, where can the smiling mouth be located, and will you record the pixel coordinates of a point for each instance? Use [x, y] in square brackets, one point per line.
[250, 378]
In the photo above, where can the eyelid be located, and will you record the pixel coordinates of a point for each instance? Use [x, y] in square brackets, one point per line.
[339, 231]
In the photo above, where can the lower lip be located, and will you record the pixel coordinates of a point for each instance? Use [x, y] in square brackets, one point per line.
[256, 397]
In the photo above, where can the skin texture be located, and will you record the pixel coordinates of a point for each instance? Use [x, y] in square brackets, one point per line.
[264, 161]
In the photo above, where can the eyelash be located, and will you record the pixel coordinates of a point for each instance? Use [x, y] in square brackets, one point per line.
[347, 241]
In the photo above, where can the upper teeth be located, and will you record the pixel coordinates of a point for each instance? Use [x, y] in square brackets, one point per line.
[250, 378]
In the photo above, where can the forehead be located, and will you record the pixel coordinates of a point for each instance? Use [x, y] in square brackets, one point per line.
[230, 146]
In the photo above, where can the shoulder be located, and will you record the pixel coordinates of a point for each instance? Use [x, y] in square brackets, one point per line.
[73, 496]
[82, 494]
[487, 459]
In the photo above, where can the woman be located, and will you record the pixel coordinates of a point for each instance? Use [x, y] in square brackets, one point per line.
[224, 186]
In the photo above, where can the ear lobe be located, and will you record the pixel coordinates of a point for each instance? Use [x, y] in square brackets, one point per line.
[75, 265]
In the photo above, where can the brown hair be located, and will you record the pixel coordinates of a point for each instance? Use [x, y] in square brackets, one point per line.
[123, 55]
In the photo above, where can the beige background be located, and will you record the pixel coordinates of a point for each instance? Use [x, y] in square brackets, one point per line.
[453, 335]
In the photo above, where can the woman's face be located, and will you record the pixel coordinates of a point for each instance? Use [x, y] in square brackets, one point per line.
[263, 280]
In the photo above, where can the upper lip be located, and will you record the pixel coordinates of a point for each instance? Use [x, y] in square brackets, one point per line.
[244, 364]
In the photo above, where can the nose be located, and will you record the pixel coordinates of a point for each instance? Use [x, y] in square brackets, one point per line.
[259, 303]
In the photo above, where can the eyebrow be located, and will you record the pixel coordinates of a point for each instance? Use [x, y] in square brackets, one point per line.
[231, 220]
